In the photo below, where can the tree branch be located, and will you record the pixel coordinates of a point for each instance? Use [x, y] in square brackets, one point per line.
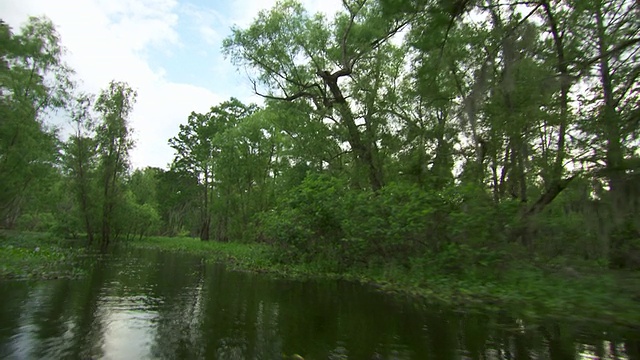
[299, 94]
[549, 195]
[625, 44]
[346, 63]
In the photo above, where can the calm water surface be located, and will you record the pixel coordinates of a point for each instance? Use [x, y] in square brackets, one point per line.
[154, 305]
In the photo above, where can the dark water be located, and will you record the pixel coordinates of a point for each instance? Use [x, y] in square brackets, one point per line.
[153, 305]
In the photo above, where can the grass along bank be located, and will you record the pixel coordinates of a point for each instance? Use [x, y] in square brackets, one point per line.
[31, 255]
[523, 289]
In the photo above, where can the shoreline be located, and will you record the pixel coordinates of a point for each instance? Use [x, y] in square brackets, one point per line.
[607, 298]
[532, 296]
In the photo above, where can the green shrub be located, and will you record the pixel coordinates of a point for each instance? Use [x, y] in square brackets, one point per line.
[323, 218]
[41, 222]
[306, 222]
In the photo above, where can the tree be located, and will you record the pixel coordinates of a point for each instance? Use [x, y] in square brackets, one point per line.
[244, 170]
[80, 161]
[33, 82]
[113, 137]
[178, 195]
[143, 183]
[196, 149]
[614, 35]
[299, 58]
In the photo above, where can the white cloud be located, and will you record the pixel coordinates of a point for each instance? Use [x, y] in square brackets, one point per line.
[210, 35]
[208, 22]
[113, 39]
[158, 115]
[247, 10]
[328, 7]
[109, 40]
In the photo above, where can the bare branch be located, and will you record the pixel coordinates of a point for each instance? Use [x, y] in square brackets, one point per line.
[300, 94]
[631, 80]
[375, 44]
[620, 47]
[510, 4]
[345, 36]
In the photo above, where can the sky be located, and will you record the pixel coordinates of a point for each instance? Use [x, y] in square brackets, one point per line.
[169, 51]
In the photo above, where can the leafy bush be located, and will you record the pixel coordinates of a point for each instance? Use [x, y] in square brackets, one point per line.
[306, 222]
[394, 223]
[625, 245]
[323, 219]
[136, 220]
[42, 222]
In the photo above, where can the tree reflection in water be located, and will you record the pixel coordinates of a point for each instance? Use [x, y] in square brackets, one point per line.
[165, 306]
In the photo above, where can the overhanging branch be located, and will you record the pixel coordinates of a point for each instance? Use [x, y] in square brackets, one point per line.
[297, 95]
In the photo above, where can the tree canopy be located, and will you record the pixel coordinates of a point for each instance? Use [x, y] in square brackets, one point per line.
[390, 132]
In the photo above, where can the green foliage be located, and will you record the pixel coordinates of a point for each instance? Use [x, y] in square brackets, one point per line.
[33, 82]
[41, 222]
[395, 223]
[625, 249]
[144, 185]
[135, 219]
[307, 221]
[322, 218]
[478, 155]
[27, 255]
[256, 257]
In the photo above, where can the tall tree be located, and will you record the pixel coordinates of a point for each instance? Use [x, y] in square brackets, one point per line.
[113, 136]
[244, 172]
[178, 194]
[615, 61]
[300, 58]
[33, 82]
[196, 149]
[80, 161]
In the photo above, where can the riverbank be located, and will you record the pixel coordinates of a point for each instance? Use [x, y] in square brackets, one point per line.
[605, 296]
[31, 255]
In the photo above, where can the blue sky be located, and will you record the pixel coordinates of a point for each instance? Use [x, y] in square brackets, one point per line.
[168, 50]
[197, 60]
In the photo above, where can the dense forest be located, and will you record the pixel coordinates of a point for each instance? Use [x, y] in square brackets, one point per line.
[425, 133]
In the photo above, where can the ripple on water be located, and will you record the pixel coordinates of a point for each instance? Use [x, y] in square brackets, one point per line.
[156, 305]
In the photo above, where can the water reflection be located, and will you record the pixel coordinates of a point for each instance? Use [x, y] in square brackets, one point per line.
[154, 305]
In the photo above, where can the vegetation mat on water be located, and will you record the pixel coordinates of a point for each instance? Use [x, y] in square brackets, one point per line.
[26, 255]
[531, 292]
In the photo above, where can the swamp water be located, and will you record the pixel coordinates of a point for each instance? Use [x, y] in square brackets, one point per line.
[156, 305]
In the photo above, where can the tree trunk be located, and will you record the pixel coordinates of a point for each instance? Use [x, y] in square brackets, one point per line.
[565, 85]
[442, 163]
[522, 233]
[83, 187]
[610, 120]
[364, 151]
[206, 217]
[106, 212]
[609, 116]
